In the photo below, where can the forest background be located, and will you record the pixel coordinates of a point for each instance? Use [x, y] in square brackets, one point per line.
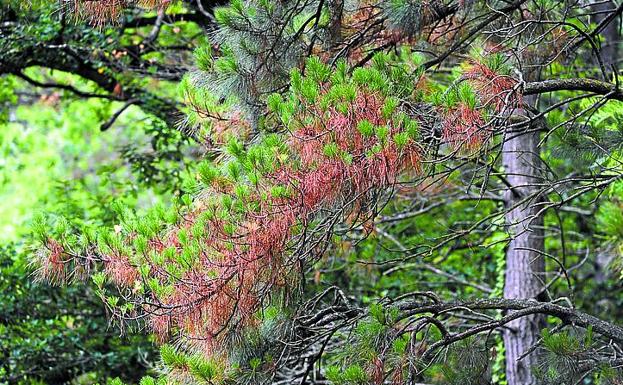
[99, 117]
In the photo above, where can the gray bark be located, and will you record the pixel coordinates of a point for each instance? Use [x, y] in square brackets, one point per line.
[525, 264]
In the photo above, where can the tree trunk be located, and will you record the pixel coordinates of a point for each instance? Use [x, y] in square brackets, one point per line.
[525, 263]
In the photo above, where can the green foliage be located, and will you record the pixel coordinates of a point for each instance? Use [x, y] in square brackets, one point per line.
[560, 343]
[204, 369]
[610, 219]
[562, 354]
[351, 375]
[54, 335]
[467, 362]
[7, 97]
[597, 137]
[404, 15]
[63, 155]
[172, 357]
[467, 95]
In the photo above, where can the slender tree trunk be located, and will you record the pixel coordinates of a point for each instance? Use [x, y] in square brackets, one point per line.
[525, 264]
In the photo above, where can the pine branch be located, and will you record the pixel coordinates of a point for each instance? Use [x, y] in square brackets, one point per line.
[522, 308]
[609, 90]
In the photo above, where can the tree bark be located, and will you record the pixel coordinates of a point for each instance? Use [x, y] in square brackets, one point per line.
[525, 263]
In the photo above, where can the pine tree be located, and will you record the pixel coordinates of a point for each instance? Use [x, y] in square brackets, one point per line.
[324, 118]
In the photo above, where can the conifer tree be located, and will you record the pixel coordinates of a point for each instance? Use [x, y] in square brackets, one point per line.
[328, 122]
